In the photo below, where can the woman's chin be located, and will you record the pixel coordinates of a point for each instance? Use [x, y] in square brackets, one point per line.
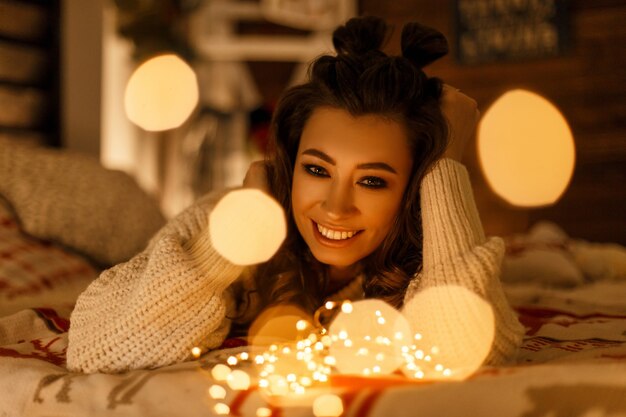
[337, 260]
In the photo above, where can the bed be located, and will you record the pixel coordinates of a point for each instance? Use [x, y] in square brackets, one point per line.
[569, 294]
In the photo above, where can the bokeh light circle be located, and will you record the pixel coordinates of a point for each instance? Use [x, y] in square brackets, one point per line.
[278, 324]
[328, 405]
[457, 323]
[161, 93]
[247, 226]
[526, 149]
[368, 340]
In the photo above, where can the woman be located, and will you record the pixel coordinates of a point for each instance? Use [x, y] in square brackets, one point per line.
[377, 202]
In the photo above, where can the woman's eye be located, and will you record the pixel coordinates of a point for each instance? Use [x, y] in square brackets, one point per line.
[373, 182]
[315, 170]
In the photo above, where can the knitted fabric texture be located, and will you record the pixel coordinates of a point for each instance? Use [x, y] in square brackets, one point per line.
[456, 252]
[152, 310]
[177, 294]
[70, 199]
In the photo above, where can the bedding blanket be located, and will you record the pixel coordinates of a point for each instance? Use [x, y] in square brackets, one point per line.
[572, 363]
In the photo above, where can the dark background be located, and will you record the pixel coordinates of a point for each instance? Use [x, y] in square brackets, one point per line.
[585, 78]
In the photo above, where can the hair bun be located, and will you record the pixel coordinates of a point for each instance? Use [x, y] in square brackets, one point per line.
[360, 35]
[422, 45]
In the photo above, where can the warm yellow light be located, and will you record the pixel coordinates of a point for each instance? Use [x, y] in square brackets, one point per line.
[365, 342]
[247, 226]
[238, 380]
[161, 93]
[277, 324]
[277, 385]
[263, 412]
[221, 409]
[220, 372]
[196, 352]
[217, 392]
[301, 325]
[457, 328]
[327, 405]
[526, 149]
[346, 307]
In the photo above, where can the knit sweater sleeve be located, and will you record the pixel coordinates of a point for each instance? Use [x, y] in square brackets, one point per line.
[456, 252]
[152, 310]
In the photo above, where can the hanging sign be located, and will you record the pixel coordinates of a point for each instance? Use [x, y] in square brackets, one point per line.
[504, 30]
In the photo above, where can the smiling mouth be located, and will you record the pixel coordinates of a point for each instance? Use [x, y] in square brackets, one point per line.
[336, 234]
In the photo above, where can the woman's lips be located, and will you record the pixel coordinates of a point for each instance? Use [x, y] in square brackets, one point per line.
[340, 238]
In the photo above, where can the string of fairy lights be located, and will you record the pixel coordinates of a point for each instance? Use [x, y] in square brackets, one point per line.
[305, 366]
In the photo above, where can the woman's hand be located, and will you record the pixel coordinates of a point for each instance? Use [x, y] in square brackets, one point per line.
[256, 177]
[462, 115]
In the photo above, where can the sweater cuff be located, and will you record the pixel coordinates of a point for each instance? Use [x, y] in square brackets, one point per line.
[450, 220]
[207, 260]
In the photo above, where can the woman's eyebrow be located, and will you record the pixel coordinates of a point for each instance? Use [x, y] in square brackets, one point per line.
[367, 165]
[321, 155]
[377, 165]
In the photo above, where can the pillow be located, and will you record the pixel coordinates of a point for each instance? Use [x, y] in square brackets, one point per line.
[35, 273]
[600, 261]
[70, 199]
[542, 256]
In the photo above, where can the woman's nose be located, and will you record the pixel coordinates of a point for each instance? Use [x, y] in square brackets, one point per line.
[339, 201]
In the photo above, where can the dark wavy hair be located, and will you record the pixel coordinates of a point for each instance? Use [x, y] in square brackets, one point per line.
[361, 80]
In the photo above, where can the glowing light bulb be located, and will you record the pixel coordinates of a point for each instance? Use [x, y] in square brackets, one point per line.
[526, 149]
[327, 405]
[196, 352]
[330, 360]
[238, 380]
[217, 392]
[220, 372]
[247, 226]
[263, 412]
[278, 324]
[364, 339]
[457, 328]
[161, 93]
[277, 385]
[221, 409]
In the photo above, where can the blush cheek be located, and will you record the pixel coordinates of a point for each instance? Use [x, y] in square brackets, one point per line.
[382, 216]
[306, 192]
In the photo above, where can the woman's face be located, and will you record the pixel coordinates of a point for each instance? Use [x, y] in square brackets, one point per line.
[349, 179]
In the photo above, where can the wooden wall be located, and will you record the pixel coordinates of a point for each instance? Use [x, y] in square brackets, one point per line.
[588, 84]
[29, 70]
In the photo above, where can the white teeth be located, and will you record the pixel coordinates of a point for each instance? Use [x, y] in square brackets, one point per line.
[334, 234]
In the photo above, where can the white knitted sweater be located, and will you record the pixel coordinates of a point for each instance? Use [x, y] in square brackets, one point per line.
[151, 310]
